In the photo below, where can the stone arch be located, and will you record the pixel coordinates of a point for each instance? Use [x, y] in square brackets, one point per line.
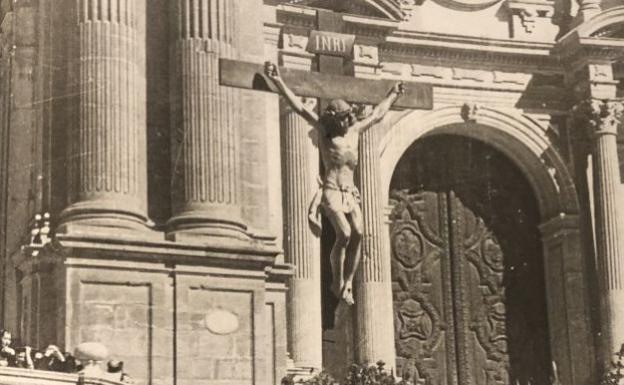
[525, 142]
[602, 24]
[519, 137]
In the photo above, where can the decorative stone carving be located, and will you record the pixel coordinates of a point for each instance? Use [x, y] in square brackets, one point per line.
[469, 112]
[408, 7]
[366, 54]
[527, 15]
[599, 116]
[297, 42]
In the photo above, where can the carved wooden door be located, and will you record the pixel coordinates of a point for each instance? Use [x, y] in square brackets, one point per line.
[467, 268]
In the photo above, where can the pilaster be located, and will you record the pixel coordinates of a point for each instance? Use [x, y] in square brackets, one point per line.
[571, 340]
[107, 150]
[301, 246]
[374, 332]
[600, 118]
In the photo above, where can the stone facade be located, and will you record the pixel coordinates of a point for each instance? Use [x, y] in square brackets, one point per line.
[148, 207]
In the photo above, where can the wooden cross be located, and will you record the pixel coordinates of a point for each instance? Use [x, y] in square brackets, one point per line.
[330, 82]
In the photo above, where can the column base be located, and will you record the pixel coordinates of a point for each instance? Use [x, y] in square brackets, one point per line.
[220, 222]
[299, 373]
[107, 215]
[374, 333]
[613, 321]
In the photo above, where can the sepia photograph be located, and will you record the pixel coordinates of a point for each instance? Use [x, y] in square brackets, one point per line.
[313, 192]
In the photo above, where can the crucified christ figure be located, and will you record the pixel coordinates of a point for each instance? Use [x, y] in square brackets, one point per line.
[339, 131]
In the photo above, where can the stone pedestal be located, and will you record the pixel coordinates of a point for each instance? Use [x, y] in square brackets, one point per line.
[206, 121]
[301, 246]
[601, 120]
[374, 332]
[107, 149]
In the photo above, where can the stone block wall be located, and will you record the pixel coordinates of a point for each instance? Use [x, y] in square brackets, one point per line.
[169, 323]
[130, 313]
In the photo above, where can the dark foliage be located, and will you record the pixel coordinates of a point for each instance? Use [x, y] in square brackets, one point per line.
[357, 375]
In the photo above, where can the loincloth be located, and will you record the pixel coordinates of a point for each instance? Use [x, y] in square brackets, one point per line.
[340, 198]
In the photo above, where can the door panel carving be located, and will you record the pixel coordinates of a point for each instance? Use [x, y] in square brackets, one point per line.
[467, 268]
[422, 291]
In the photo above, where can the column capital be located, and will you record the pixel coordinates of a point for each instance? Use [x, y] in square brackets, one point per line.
[600, 117]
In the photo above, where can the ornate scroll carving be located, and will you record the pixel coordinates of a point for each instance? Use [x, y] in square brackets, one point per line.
[599, 116]
[469, 112]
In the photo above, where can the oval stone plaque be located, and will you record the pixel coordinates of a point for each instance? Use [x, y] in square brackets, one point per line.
[221, 321]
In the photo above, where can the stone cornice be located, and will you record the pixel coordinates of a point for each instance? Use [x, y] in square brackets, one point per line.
[574, 48]
[387, 9]
[599, 23]
[296, 16]
[151, 246]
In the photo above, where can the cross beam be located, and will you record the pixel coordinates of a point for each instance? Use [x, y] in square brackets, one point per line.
[246, 75]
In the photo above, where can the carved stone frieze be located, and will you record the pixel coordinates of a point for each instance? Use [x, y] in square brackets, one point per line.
[477, 77]
[395, 49]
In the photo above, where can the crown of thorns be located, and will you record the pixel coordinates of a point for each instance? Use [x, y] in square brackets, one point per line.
[338, 107]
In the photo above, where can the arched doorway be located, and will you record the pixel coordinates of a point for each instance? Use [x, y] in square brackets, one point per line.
[467, 267]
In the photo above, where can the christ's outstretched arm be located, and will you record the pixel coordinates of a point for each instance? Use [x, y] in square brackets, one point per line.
[272, 71]
[383, 107]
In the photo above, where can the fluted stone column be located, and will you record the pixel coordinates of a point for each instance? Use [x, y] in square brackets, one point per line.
[374, 339]
[107, 150]
[602, 119]
[206, 180]
[301, 247]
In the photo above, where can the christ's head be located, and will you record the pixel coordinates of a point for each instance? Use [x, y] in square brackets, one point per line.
[338, 117]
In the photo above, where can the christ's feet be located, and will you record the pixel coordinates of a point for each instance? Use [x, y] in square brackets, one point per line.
[347, 293]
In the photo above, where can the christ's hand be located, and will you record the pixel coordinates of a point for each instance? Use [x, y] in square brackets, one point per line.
[399, 88]
[271, 70]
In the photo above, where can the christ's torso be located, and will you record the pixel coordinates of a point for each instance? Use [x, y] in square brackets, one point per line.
[340, 157]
